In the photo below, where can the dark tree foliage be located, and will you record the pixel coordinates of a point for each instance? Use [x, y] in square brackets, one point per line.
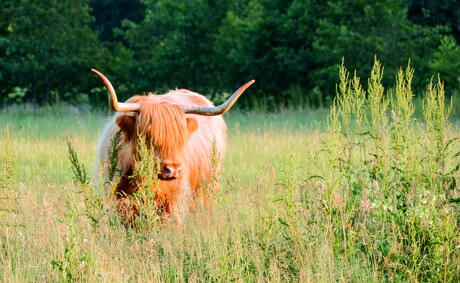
[268, 41]
[292, 48]
[437, 13]
[445, 15]
[109, 15]
[174, 44]
[47, 50]
[359, 30]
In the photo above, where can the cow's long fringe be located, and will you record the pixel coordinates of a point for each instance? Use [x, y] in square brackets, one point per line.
[165, 126]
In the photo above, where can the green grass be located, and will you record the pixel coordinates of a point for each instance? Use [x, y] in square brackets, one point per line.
[363, 194]
[48, 235]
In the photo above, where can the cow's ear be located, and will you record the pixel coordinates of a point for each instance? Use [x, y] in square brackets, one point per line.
[192, 125]
[127, 125]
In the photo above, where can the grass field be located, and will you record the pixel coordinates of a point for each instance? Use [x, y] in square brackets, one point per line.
[47, 237]
[356, 196]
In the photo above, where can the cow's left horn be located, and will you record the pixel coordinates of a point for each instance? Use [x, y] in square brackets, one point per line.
[113, 101]
[221, 109]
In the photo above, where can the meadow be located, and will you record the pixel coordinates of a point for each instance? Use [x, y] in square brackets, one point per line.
[362, 192]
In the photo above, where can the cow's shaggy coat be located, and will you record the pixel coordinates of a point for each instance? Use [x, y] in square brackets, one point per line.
[179, 140]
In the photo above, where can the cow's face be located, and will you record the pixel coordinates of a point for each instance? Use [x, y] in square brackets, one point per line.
[166, 128]
[164, 125]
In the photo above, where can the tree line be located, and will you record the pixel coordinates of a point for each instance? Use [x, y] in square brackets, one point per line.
[293, 49]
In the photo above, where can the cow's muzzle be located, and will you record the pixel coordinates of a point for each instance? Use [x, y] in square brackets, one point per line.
[170, 171]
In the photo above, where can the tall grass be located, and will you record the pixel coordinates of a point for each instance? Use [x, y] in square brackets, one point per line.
[368, 194]
[390, 179]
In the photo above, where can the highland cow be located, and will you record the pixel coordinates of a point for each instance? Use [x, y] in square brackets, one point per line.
[181, 127]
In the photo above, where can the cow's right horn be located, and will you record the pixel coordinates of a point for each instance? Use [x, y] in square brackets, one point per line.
[221, 109]
[113, 101]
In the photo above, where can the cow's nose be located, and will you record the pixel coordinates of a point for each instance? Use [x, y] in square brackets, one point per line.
[171, 171]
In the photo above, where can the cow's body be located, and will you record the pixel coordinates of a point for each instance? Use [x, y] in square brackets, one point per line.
[181, 128]
[192, 149]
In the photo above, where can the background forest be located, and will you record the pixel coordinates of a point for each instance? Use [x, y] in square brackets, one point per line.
[292, 48]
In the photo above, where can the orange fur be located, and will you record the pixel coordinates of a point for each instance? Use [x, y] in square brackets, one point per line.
[177, 138]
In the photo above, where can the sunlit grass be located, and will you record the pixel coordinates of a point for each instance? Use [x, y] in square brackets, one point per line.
[50, 238]
[302, 198]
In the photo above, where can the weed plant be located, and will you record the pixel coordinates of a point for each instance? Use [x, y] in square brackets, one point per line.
[7, 192]
[146, 169]
[390, 179]
[6, 162]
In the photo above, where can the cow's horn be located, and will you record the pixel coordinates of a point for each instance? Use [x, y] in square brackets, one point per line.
[113, 101]
[221, 109]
